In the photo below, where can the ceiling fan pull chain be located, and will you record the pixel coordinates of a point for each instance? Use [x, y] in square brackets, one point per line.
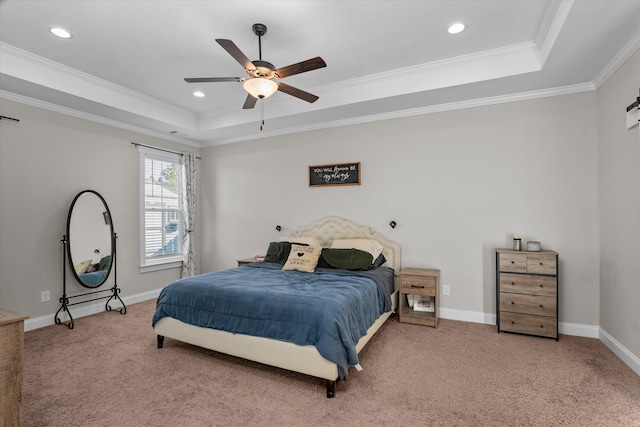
[261, 114]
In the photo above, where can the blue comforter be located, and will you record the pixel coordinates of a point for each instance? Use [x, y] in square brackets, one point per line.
[330, 309]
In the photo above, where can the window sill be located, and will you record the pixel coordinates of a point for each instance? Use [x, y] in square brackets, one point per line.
[160, 266]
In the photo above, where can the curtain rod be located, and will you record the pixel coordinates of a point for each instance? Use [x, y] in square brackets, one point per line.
[159, 149]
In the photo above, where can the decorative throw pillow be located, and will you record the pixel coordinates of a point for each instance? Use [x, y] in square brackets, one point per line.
[278, 252]
[105, 263]
[379, 261]
[345, 259]
[367, 245]
[303, 258]
[83, 266]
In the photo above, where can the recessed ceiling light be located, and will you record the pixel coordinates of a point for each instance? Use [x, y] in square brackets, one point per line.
[60, 32]
[456, 28]
[198, 93]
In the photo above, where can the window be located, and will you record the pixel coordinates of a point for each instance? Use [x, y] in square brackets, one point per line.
[161, 213]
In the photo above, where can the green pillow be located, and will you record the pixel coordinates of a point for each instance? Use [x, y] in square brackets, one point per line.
[105, 263]
[345, 259]
[278, 252]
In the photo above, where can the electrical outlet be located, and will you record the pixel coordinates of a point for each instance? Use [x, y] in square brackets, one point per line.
[45, 296]
[445, 290]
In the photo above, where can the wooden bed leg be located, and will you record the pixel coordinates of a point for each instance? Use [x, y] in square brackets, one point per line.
[160, 341]
[331, 389]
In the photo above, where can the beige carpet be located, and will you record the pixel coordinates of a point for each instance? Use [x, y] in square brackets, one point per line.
[107, 371]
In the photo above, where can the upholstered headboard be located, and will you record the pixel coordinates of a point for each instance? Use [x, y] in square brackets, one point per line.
[335, 227]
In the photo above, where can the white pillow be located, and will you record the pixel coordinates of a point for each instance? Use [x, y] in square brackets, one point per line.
[367, 245]
[83, 266]
[311, 241]
[303, 258]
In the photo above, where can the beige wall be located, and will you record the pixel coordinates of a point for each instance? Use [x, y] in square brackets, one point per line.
[459, 184]
[619, 164]
[45, 160]
[562, 170]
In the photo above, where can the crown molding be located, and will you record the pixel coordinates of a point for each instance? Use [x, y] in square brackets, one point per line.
[30, 67]
[552, 33]
[481, 66]
[625, 53]
[10, 96]
[474, 103]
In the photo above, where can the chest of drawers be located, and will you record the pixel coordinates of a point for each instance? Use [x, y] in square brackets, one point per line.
[11, 352]
[527, 292]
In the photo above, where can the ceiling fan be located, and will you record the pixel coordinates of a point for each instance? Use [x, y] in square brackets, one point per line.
[260, 81]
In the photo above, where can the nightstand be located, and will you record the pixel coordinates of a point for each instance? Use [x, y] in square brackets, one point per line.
[419, 282]
[248, 261]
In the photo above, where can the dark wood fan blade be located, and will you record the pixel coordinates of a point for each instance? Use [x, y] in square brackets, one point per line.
[213, 79]
[250, 102]
[301, 67]
[237, 54]
[290, 90]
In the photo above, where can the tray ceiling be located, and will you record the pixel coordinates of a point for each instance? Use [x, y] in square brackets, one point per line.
[126, 61]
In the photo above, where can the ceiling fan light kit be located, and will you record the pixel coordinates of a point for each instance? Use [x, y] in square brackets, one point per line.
[260, 87]
[260, 81]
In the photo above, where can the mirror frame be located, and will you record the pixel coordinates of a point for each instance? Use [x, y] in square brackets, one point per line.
[111, 239]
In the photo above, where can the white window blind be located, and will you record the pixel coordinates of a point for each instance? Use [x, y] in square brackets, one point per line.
[161, 213]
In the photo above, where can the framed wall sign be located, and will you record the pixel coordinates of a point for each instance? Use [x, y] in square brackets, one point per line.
[338, 174]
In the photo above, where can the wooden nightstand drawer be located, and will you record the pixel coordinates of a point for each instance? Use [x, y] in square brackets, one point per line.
[516, 263]
[528, 304]
[525, 284]
[541, 264]
[419, 285]
[528, 324]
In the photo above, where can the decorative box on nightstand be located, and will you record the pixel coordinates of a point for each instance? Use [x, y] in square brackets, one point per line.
[416, 283]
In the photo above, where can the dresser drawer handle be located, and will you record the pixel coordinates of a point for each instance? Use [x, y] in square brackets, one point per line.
[542, 326]
[513, 303]
[541, 306]
[513, 323]
[513, 283]
[541, 286]
[418, 286]
[513, 262]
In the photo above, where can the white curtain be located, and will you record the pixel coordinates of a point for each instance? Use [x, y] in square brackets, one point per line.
[188, 213]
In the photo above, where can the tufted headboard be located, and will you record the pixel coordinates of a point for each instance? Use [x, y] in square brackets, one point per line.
[335, 227]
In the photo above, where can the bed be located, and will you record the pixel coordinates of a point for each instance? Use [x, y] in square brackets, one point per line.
[289, 352]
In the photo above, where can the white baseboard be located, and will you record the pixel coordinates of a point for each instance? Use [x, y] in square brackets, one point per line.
[490, 319]
[621, 351]
[575, 329]
[468, 316]
[588, 331]
[87, 310]
[578, 330]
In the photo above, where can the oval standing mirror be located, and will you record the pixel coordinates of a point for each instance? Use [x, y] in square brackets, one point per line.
[90, 239]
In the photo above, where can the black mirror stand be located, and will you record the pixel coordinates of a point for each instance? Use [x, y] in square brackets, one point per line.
[64, 299]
